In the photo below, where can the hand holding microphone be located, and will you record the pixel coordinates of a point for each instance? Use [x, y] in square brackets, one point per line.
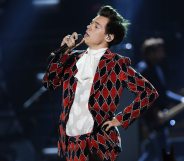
[69, 42]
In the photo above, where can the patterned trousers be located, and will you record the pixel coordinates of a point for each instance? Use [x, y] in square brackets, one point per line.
[79, 148]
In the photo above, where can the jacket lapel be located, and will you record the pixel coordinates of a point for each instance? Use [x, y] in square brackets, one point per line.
[104, 68]
[74, 70]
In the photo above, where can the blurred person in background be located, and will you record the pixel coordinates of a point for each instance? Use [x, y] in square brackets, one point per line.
[153, 123]
[92, 82]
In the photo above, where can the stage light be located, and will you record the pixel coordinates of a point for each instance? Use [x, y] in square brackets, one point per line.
[50, 151]
[39, 76]
[45, 2]
[128, 46]
[172, 122]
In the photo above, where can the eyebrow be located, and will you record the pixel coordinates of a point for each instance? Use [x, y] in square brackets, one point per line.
[97, 23]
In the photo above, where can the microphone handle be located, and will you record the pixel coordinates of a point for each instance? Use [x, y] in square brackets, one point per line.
[60, 50]
[64, 47]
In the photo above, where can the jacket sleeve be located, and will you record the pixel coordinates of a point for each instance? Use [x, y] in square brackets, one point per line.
[53, 75]
[143, 89]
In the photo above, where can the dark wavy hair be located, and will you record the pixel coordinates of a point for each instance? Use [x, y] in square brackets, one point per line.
[117, 25]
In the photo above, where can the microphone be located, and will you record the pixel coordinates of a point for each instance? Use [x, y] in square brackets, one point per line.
[64, 47]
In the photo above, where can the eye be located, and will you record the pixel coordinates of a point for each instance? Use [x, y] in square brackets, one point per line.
[96, 26]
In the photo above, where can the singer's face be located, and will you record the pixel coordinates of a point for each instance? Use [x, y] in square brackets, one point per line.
[95, 36]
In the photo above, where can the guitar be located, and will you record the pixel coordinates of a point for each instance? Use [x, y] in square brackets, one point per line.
[165, 115]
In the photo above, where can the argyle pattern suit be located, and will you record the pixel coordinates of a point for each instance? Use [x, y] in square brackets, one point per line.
[113, 74]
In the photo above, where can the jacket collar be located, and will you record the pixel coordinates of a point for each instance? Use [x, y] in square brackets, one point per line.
[104, 68]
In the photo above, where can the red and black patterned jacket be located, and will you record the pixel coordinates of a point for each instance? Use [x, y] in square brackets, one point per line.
[113, 74]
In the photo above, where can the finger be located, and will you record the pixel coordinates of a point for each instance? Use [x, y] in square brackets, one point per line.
[108, 127]
[74, 35]
[68, 36]
[105, 123]
[71, 42]
[65, 39]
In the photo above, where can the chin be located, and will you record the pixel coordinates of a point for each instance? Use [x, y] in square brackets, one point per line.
[86, 42]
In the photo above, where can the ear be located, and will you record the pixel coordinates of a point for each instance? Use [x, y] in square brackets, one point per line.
[109, 37]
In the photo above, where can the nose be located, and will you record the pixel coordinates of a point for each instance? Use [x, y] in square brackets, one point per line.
[89, 26]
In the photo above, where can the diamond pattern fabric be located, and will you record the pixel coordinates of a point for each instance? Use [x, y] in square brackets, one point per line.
[113, 74]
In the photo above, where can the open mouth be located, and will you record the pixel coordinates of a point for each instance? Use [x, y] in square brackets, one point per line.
[86, 35]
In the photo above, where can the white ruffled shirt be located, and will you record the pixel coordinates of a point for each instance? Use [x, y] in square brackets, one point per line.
[80, 119]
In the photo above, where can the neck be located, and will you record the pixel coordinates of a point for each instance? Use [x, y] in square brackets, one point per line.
[93, 47]
[96, 48]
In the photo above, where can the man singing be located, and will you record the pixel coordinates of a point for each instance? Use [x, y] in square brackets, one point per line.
[92, 82]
